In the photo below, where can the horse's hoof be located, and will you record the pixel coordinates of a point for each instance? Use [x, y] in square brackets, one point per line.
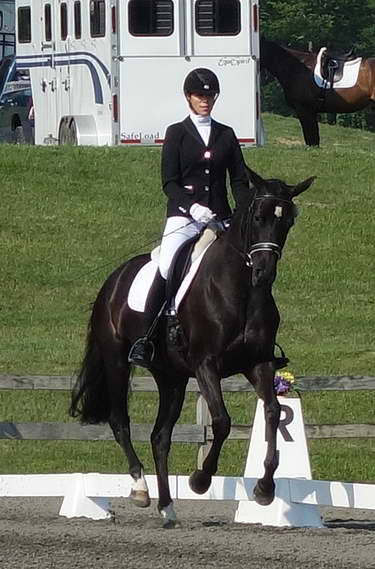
[169, 516]
[262, 497]
[169, 524]
[140, 498]
[200, 481]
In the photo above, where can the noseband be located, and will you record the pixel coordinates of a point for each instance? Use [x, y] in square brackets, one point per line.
[262, 245]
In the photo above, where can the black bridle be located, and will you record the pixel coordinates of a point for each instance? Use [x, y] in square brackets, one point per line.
[274, 248]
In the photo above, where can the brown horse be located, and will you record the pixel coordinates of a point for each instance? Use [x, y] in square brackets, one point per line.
[295, 72]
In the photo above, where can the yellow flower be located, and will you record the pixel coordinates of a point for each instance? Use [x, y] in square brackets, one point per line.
[289, 377]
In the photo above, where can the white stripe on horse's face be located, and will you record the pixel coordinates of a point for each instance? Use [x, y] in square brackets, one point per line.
[278, 211]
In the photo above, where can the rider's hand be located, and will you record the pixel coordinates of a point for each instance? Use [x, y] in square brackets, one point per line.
[201, 213]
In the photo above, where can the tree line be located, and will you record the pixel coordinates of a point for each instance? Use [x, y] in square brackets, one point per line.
[310, 25]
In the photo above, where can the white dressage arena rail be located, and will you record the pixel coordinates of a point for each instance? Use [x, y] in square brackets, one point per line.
[297, 497]
[87, 495]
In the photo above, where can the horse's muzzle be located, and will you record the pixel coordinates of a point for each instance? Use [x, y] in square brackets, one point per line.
[263, 270]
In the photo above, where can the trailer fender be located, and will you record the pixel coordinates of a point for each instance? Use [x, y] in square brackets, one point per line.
[78, 130]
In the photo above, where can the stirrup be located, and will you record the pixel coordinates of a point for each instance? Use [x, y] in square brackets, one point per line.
[142, 352]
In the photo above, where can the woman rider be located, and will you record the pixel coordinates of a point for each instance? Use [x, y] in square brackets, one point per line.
[196, 157]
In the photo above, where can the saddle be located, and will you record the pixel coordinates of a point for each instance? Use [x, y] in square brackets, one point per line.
[180, 266]
[184, 257]
[332, 65]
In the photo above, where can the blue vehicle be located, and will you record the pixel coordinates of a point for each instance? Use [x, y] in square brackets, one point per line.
[16, 104]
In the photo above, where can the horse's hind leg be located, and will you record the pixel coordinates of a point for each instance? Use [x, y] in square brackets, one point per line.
[171, 398]
[262, 376]
[118, 372]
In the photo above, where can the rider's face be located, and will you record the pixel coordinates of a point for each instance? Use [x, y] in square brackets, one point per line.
[201, 104]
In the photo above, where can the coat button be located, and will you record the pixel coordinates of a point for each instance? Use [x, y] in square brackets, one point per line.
[206, 171]
[206, 188]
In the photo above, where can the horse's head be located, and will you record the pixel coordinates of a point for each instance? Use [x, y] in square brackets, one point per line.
[270, 215]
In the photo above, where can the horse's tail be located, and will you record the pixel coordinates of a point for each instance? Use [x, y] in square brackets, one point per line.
[90, 399]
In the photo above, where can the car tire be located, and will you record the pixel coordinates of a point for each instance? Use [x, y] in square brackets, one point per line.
[19, 135]
[68, 133]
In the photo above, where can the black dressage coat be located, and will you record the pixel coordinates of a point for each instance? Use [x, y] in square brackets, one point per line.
[193, 172]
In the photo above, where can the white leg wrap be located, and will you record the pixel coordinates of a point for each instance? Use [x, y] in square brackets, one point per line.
[168, 514]
[140, 485]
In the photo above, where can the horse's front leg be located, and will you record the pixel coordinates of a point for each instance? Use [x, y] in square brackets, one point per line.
[171, 398]
[209, 385]
[310, 126]
[262, 377]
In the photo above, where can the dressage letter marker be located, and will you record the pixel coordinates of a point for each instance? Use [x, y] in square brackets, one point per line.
[293, 463]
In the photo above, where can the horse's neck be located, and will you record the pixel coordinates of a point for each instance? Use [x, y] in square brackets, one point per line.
[281, 62]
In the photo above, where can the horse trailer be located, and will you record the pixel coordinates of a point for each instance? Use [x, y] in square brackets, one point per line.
[7, 28]
[108, 72]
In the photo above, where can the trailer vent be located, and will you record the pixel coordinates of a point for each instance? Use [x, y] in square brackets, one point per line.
[151, 17]
[97, 18]
[218, 17]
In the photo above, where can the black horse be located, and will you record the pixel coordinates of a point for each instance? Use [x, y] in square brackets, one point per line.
[295, 72]
[229, 322]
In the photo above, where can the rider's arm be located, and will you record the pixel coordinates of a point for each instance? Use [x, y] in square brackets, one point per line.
[171, 175]
[239, 180]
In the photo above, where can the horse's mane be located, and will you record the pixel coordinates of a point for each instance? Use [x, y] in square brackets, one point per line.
[287, 58]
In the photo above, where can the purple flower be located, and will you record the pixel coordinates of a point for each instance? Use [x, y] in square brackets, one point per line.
[281, 385]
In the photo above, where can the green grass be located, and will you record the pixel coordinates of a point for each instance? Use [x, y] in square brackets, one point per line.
[70, 215]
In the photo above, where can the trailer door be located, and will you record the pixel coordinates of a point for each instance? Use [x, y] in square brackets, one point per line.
[160, 41]
[63, 31]
[45, 86]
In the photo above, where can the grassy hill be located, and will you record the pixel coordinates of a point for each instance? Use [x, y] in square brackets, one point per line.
[71, 215]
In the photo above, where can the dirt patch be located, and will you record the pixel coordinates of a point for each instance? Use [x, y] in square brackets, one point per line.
[34, 536]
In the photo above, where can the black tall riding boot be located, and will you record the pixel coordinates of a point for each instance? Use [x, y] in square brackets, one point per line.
[143, 350]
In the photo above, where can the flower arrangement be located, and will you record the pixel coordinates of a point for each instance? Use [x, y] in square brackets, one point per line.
[284, 383]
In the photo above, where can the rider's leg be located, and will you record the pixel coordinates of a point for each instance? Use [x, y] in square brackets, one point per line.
[177, 230]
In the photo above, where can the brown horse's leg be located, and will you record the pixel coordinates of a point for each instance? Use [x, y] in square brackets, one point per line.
[171, 398]
[262, 376]
[310, 126]
[209, 385]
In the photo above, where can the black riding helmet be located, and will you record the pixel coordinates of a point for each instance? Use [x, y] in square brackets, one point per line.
[201, 81]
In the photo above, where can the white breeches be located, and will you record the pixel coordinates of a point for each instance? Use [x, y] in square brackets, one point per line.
[177, 230]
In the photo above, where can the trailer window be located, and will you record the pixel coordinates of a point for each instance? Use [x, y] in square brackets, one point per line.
[218, 17]
[77, 20]
[151, 17]
[97, 18]
[63, 21]
[47, 22]
[24, 24]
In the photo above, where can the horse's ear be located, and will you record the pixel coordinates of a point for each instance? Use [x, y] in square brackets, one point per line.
[254, 178]
[302, 186]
